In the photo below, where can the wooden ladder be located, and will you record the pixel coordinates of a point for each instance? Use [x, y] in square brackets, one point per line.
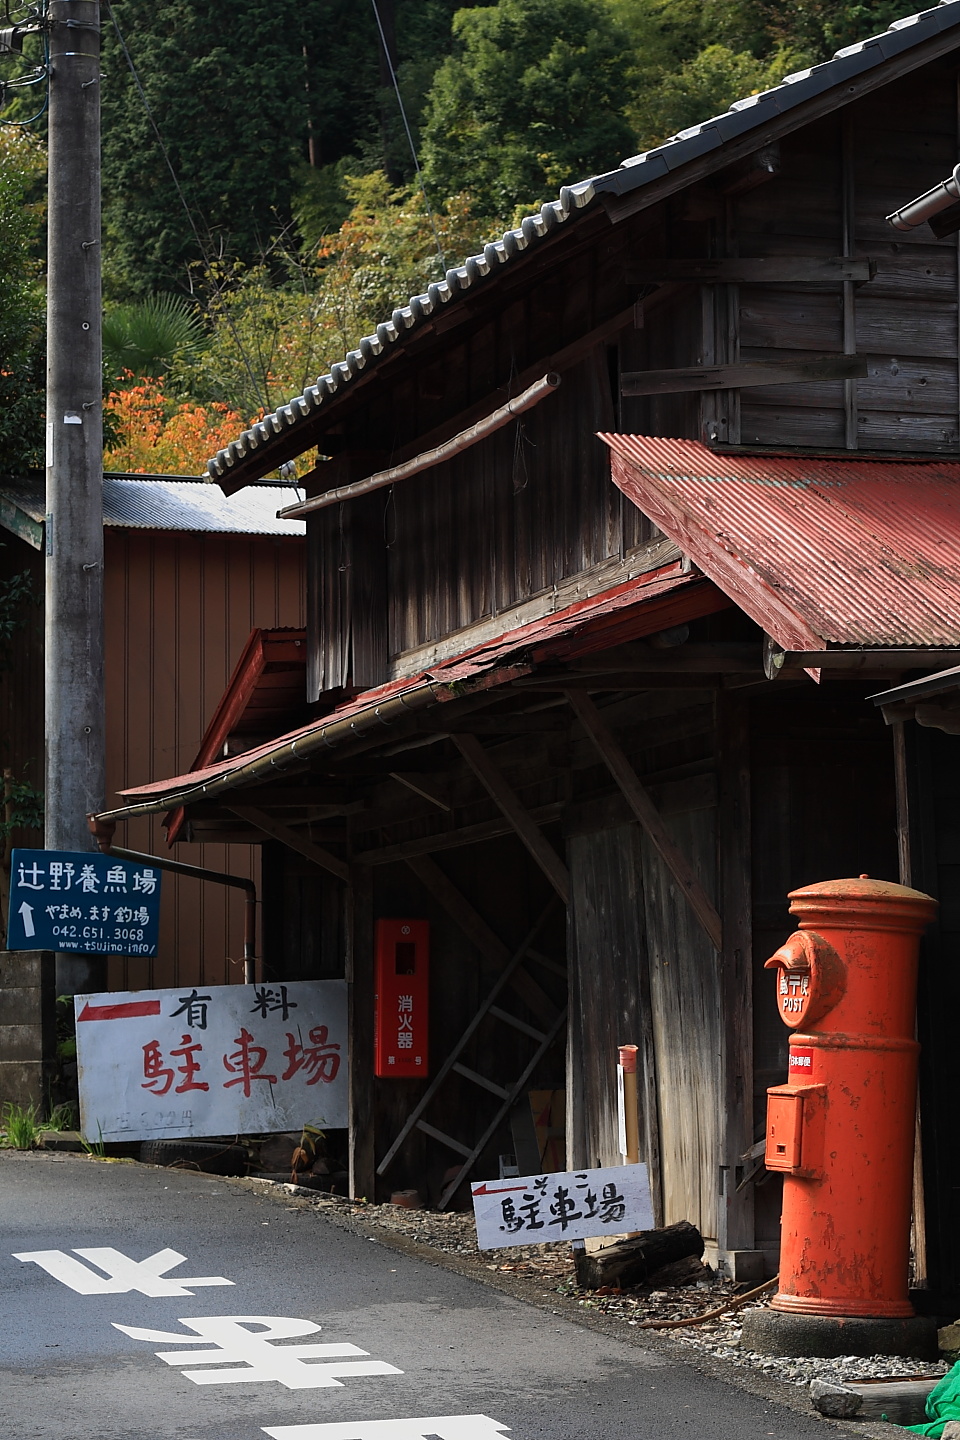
[506, 1094]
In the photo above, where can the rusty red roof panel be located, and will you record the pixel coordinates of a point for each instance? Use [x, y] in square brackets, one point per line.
[638, 607]
[820, 551]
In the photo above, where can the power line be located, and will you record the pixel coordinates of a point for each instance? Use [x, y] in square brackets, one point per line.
[406, 126]
[186, 209]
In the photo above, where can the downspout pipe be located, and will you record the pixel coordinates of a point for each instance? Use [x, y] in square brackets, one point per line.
[918, 211]
[103, 831]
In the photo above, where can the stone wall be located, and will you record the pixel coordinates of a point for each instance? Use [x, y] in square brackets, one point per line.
[27, 1027]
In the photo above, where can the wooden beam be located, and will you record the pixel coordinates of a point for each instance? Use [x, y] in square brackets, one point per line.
[771, 270]
[637, 797]
[560, 361]
[290, 837]
[421, 787]
[738, 377]
[526, 827]
[478, 932]
[452, 839]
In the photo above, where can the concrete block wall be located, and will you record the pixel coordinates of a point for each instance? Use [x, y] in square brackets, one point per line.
[27, 1027]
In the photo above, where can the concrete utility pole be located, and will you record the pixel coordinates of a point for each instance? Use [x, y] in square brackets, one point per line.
[73, 680]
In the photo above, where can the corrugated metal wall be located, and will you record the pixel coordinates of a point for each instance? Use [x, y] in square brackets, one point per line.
[178, 609]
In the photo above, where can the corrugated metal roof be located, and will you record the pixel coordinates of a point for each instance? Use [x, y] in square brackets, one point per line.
[167, 503]
[638, 607]
[818, 551]
[744, 116]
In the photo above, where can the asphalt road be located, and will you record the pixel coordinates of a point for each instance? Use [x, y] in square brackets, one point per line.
[415, 1341]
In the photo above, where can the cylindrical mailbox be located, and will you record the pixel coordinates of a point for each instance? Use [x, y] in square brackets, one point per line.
[841, 1130]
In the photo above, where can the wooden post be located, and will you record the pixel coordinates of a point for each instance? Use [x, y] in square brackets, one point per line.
[736, 1220]
[360, 983]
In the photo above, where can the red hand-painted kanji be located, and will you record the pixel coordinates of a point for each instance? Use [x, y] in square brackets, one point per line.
[320, 1059]
[190, 1066]
[247, 1063]
[154, 1070]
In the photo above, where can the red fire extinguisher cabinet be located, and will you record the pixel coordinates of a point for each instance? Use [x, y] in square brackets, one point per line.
[402, 1005]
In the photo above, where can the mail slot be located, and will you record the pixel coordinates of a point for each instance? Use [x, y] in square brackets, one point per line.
[784, 1129]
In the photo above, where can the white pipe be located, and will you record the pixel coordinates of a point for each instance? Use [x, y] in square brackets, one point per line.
[941, 197]
[495, 421]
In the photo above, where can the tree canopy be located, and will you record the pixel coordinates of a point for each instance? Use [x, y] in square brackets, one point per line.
[297, 219]
[533, 97]
[22, 310]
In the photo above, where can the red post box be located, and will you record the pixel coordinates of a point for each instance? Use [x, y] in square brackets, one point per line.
[402, 1000]
[841, 1131]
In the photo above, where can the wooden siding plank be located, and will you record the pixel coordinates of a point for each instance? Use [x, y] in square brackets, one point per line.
[646, 812]
[686, 1022]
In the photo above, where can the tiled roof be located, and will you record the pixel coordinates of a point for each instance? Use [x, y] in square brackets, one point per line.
[253, 452]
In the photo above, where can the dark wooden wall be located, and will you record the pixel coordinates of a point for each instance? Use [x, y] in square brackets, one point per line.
[935, 854]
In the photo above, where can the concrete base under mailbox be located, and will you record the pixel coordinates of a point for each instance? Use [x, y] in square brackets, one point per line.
[777, 1332]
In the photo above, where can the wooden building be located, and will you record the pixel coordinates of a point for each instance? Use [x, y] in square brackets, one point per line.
[592, 680]
[187, 575]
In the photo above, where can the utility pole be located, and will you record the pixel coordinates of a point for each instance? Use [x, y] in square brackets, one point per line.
[73, 642]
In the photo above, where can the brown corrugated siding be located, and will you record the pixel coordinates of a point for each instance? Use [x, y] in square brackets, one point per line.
[178, 611]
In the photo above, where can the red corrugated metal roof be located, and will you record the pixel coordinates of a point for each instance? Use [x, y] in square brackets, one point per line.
[819, 551]
[638, 607]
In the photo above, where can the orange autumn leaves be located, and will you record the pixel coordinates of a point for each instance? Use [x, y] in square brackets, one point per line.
[153, 435]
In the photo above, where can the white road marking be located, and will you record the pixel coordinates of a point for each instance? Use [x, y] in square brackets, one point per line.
[447, 1427]
[124, 1274]
[235, 1344]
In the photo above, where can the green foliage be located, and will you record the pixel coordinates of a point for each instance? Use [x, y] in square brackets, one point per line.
[20, 1126]
[62, 1116]
[236, 92]
[21, 311]
[707, 85]
[271, 337]
[532, 99]
[22, 808]
[225, 85]
[148, 337]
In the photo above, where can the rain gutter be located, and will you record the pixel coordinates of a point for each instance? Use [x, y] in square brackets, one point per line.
[324, 736]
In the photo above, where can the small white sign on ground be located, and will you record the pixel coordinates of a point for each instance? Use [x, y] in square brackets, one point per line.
[224, 1060]
[447, 1427]
[572, 1205]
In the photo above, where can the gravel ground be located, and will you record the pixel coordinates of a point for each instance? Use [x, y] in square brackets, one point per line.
[551, 1267]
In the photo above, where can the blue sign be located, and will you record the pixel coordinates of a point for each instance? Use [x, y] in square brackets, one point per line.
[87, 903]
